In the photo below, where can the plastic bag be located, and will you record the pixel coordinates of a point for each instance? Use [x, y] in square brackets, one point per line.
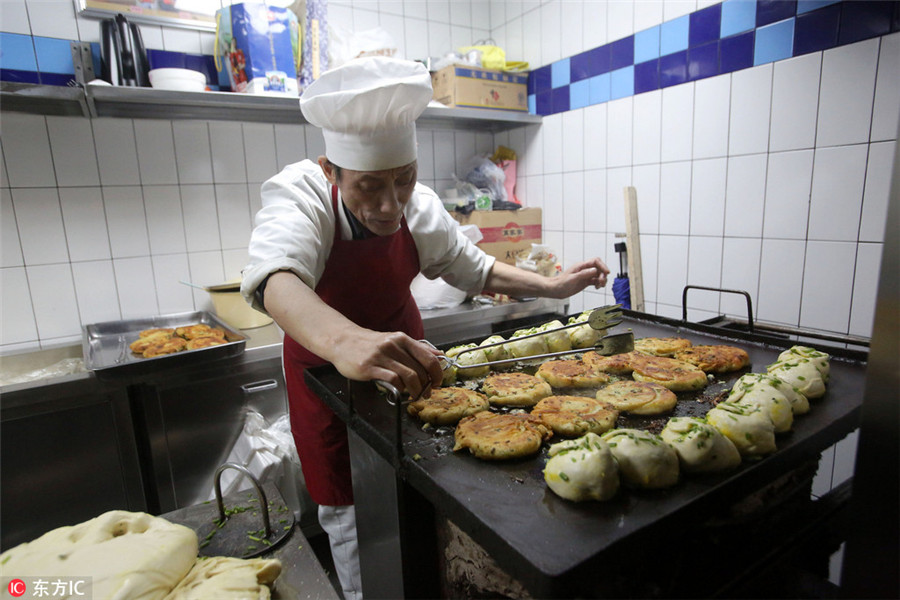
[485, 175]
[268, 451]
[540, 259]
[345, 45]
[492, 56]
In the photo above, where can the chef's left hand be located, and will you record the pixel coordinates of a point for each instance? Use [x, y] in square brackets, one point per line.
[579, 276]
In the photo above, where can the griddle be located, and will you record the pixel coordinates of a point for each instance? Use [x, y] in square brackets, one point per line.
[556, 547]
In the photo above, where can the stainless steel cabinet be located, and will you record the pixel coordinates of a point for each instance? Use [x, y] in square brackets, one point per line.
[187, 421]
[68, 454]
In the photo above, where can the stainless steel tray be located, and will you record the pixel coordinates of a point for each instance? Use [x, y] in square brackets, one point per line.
[106, 345]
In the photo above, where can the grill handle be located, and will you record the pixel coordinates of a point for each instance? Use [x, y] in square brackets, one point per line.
[714, 289]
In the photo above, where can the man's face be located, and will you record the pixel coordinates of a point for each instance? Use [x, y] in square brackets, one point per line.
[376, 198]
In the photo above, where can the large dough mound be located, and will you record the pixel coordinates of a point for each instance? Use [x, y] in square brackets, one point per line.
[222, 578]
[582, 469]
[128, 555]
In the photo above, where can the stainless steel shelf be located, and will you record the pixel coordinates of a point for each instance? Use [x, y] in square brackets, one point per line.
[43, 99]
[148, 103]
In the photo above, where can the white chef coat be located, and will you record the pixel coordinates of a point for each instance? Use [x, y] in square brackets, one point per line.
[294, 231]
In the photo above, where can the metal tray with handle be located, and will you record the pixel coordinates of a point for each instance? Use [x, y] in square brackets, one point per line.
[106, 345]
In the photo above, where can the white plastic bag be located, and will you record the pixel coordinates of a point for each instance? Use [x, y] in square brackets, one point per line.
[268, 452]
[345, 45]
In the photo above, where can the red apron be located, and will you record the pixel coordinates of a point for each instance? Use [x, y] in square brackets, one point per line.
[367, 281]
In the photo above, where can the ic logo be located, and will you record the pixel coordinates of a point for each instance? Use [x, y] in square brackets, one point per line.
[16, 588]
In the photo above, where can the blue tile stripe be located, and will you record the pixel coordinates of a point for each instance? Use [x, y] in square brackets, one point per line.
[718, 39]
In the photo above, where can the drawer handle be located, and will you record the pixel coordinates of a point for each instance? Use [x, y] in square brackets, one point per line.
[259, 386]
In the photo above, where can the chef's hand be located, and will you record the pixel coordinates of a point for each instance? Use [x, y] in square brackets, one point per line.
[396, 358]
[578, 277]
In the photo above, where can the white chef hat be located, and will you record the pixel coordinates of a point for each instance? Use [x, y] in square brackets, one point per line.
[367, 109]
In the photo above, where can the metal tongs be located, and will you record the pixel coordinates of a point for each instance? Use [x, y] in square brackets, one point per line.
[600, 319]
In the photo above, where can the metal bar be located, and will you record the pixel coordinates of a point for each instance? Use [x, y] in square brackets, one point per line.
[715, 289]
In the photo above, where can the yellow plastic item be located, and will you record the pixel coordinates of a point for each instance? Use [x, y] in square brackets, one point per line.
[492, 57]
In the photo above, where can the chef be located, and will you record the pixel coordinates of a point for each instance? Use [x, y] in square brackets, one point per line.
[334, 249]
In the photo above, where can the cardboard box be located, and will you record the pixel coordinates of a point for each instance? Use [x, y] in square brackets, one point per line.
[506, 232]
[480, 88]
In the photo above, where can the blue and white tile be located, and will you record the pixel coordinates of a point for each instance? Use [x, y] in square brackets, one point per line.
[865, 288]
[619, 130]
[572, 34]
[780, 281]
[647, 128]
[788, 188]
[29, 161]
[672, 269]
[839, 175]
[741, 257]
[649, 266]
[828, 274]
[620, 22]
[712, 100]
[95, 290]
[705, 269]
[169, 270]
[227, 142]
[594, 25]
[14, 16]
[551, 32]
[553, 202]
[116, 151]
[645, 179]
[877, 191]
[531, 34]
[234, 261]
[795, 103]
[595, 130]
[552, 136]
[259, 151]
[573, 202]
[155, 151]
[133, 277]
[617, 179]
[464, 152]
[165, 224]
[205, 267]
[52, 18]
[647, 14]
[708, 197]
[745, 195]
[847, 94]
[887, 90]
[315, 142]
[751, 97]
[675, 198]
[672, 9]
[10, 245]
[573, 141]
[74, 157]
[595, 200]
[192, 151]
[233, 208]
[126, 221]
[198, 204]
[677, 122]
[17, 325]
[85, 223]
[290, 145]
[181, 40]
[40, 225]
[53, 298]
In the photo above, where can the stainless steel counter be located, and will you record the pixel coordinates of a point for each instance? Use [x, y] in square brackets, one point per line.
[442, 326]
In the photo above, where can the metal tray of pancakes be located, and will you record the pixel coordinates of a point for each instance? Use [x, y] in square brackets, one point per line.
[106, 345]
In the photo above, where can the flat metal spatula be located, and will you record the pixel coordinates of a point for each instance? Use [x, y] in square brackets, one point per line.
[608, 345]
